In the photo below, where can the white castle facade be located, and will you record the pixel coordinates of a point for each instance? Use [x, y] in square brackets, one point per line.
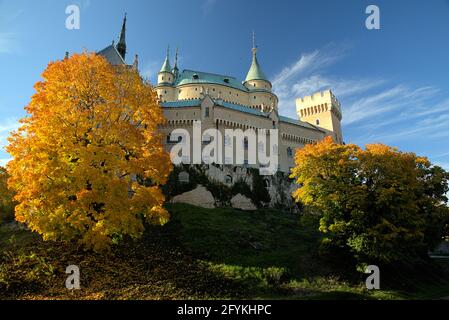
[224, 102]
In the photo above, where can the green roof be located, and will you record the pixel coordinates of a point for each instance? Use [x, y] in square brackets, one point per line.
[236, 107]
[255, 71]
[166, 66]
[198, 77]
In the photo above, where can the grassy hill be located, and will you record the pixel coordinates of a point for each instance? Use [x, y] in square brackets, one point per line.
[203, 254]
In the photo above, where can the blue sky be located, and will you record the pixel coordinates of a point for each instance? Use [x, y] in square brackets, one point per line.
[392, 83]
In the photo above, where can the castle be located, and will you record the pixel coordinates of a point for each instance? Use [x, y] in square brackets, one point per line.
[222, 102]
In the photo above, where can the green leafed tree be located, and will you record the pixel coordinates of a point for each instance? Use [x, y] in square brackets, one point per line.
[378, 203]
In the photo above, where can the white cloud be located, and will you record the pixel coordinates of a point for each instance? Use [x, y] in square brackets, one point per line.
[385, 101]
[8, 43]
[341, 87]
[3, 162]
[6, 127]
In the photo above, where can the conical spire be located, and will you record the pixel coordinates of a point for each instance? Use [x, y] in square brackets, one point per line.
[121, 46]
[166, 67]
[255, 71]
[175, 67]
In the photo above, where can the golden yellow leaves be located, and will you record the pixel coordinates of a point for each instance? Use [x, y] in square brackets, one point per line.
[90, 134]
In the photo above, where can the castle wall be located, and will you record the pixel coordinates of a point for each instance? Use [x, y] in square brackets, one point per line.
[256, 99]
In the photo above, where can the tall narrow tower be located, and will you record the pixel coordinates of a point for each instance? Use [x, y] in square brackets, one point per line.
[322, 109]
[121, 45]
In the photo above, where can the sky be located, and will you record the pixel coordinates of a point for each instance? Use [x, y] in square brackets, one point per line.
[392, 82]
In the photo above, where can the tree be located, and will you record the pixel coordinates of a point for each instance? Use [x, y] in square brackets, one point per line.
[380, 204]
[91, 132]
[6, 198]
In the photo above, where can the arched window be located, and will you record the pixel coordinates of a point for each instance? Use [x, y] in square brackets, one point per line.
[317, 122]
[228, 179]
[183, 177]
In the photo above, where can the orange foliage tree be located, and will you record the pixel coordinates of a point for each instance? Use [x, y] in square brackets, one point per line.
[87, 161]
[381, 204]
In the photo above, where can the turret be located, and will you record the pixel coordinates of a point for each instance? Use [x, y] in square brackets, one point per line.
[175, 70]
[165, 76]
[121, 45]
[256, 78]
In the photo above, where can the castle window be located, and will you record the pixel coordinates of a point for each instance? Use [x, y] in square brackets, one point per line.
[162, 78]
[245, 143]
[227, 140]
[196, 89]
[226, 80]
[213, 89]
[254, 97]
[317, 122]
[195, 76]
[207, 112]
[165, 91]
[183, 177]
[289, 152]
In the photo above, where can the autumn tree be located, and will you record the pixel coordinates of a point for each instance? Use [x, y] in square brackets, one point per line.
[6, 198]
[378, 203]
[78, 157]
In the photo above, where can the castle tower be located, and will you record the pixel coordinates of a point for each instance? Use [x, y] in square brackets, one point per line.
[165, 76]
[261, 96]
[175, 70]
[322, 109]
[121, 45]
[256, 78]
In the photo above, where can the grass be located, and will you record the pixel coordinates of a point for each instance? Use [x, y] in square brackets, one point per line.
[205, 254]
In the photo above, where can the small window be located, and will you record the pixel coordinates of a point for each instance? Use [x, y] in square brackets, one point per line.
[165, 91]
[254, 97]
[226, 80]
[163, 78]
[289, 152]
[213, 89]
[195, 76]
[317, 122]
[207, 112]
[227, 140]
[228, 179]
[183, 177]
